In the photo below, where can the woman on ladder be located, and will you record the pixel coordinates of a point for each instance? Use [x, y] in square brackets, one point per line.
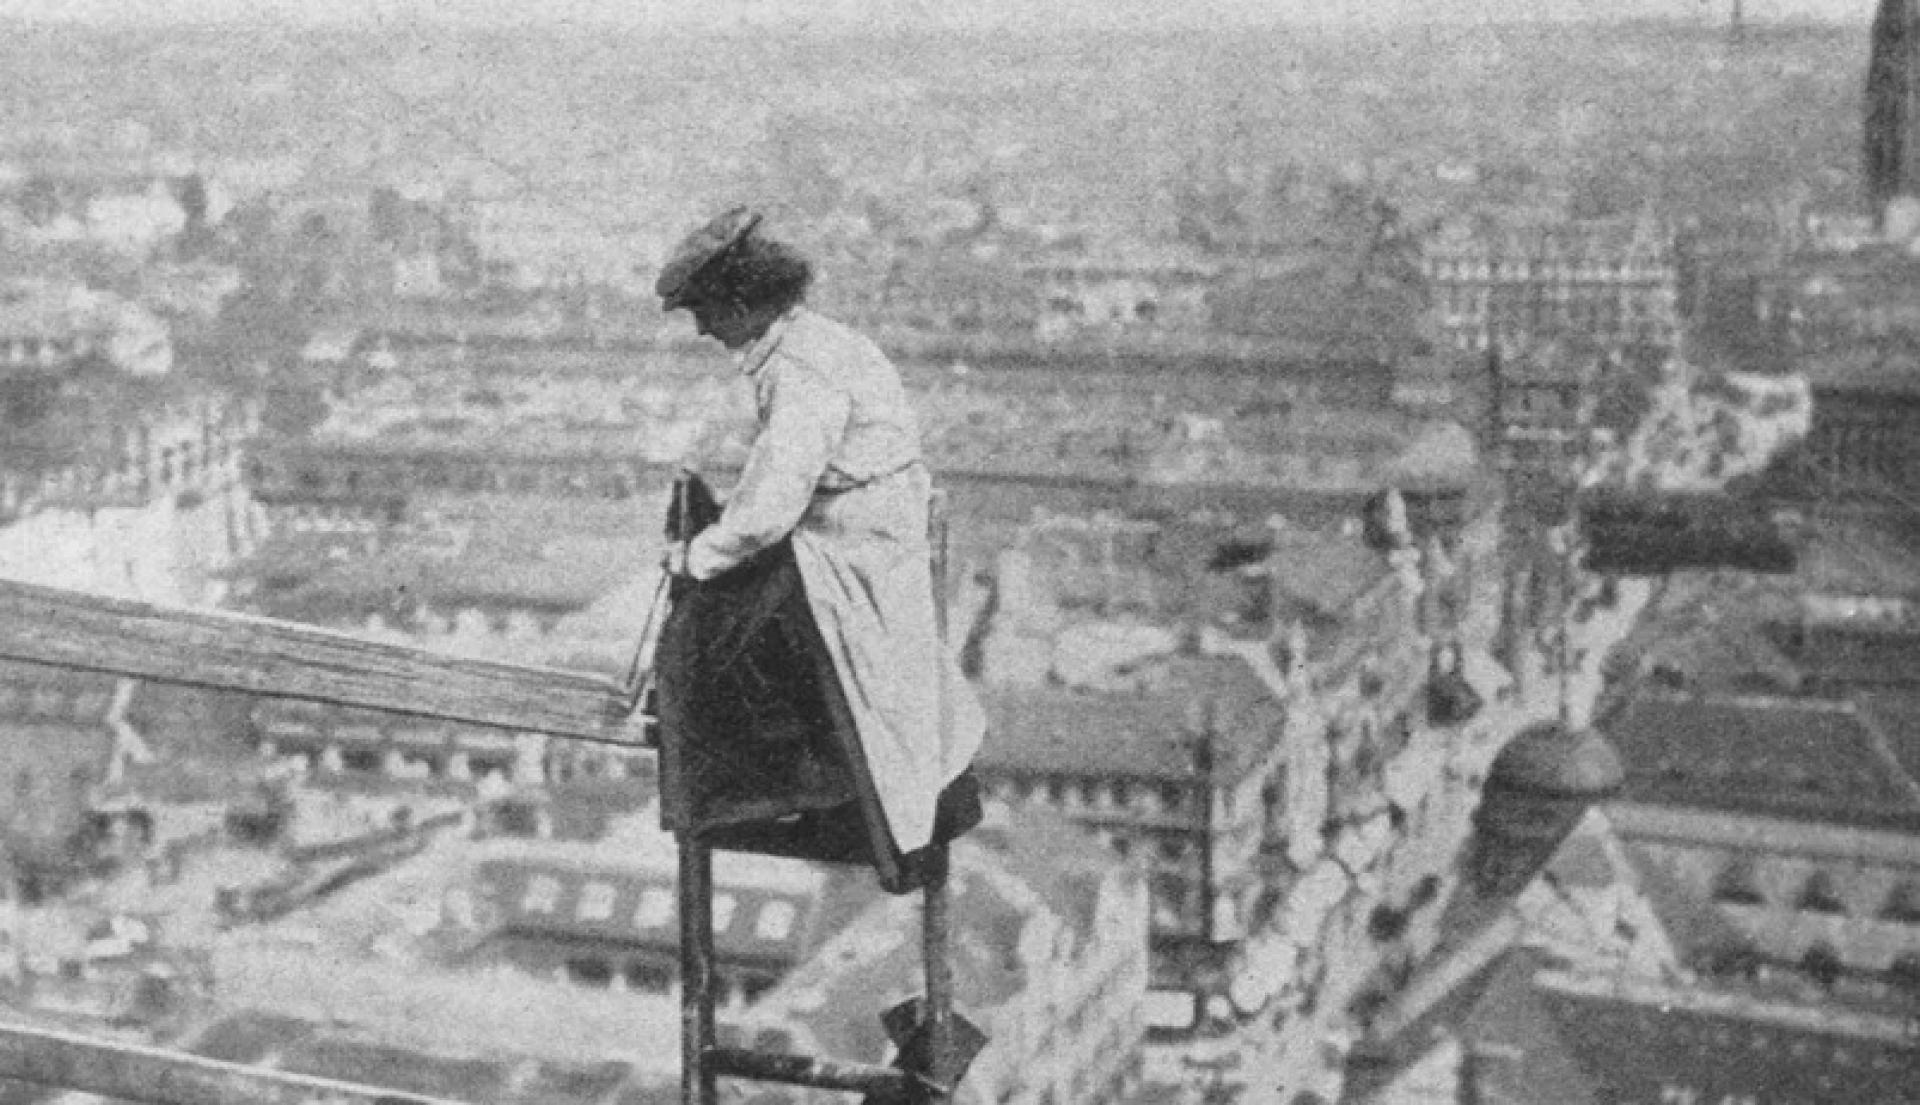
[807, 703]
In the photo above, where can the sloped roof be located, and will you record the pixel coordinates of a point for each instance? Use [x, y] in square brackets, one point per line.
[1141, 734]
[1867, 371]
[1518, 1052]
[522, 551]
[1000, 873]
[1768, 756]
[300, 1047]
[1324, 571]
[1895, 715]
[1634, 1042]
[1692, 925]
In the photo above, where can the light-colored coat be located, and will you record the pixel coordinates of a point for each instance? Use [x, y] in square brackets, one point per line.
[836, 464]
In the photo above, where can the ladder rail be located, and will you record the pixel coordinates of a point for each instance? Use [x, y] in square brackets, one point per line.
[935, 916]
[939, 1063]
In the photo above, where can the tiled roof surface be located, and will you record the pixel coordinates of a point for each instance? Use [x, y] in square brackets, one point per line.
[1885, 372]
[1325, 571]
[1778, 757]
[1066, 731]
[1000, 873]
[1636, 1050]
[519, 551]
[1895, 714]
[296, 1046]
[1495, 1013]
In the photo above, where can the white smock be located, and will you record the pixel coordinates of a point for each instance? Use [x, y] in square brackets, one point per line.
[837, 466]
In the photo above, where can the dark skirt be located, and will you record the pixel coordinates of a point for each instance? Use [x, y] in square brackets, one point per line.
[758, 750]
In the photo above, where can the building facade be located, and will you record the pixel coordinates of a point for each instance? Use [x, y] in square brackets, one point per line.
[1794, 817]
[154, 509]
[1612, 282]
[1058, 986]
[1892, 108]
[1865, 437]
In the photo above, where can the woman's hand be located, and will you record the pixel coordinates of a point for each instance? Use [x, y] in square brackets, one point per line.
[674, 562]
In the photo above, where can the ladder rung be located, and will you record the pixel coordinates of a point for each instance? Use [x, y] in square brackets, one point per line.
[807, 1070]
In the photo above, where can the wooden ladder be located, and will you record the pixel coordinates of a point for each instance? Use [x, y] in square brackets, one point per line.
[278, 659]
[933, 1045]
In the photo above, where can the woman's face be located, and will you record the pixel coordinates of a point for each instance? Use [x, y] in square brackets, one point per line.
[727, 323]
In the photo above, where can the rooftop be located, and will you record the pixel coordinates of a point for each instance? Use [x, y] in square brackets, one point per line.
[286, 1043]
[1141, 734]
[37, 308]
[1540, 1034]
[1498, 1017]
[1324, 571]
[1638, 1038]
[1597, 240]
[483, 550]
[1895, 714]
[1004, 876]
[1883, 371]
[1766, 756]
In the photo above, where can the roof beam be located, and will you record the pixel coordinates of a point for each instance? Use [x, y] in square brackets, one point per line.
[235, 652]
[160, 1077]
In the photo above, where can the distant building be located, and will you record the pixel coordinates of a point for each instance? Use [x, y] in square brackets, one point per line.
[1522, 1029]
[131, 489]
[1797, 819]
[190, 289]
[321, 1050]
[1892, 109]
[1731, 924]
[50, 328]
[547, 913]
[1542, 402]
[1206, 739]
[1865, 438]
[1611, 282]
[1121, 291]
[1055, 972]
[58, 747]
[340, 743]
[1049, 949]
[1184, 775]
[1857, 641]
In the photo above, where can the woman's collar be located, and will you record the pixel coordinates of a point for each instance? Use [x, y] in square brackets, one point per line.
[756, 355]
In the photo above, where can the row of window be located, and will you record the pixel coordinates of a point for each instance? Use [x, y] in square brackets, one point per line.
[45, 350]
[655, 909]
[457, 764]
[37, 702]
[1166, 798]
[1739, 884]
[472, 479]
[396, 764]
[1542, 301]
[1176, 849]
[1547, 269]
[648, 976]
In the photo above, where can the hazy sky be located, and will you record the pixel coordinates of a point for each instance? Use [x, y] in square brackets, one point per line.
[683, 11]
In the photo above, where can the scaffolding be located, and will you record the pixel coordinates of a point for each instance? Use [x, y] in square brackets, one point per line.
[277, 659]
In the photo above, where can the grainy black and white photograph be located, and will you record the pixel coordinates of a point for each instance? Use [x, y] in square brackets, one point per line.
[1091, 552]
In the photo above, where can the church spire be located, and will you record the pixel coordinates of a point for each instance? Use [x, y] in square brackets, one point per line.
[1892, 162]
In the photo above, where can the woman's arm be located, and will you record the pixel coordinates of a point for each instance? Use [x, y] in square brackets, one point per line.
[806, 419]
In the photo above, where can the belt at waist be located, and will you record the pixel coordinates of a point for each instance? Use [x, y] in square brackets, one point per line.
[829, 492]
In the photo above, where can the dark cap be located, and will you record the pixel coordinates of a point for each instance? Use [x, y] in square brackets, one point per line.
[698, 250]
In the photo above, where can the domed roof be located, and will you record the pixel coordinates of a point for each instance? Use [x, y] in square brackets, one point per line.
[1545, 759]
